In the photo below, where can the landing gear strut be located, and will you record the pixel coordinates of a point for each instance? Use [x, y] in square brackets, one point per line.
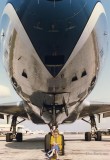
[51, 138]
[13, 133]
[94, 131]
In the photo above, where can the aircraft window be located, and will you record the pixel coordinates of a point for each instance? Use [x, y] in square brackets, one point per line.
[75, 78]
[84, 73]
[24, 74]
[54, 60]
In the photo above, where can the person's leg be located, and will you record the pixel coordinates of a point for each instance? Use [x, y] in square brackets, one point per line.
[49, 151]
[57, 156]
[53, 151]
[56, 151]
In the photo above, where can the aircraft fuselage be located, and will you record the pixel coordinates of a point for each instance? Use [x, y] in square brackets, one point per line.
[53, 52]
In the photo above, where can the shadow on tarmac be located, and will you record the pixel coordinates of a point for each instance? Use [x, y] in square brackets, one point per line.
[38, 143]
[34, 143]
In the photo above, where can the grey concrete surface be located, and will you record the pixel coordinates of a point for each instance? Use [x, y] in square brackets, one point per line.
[32, 148]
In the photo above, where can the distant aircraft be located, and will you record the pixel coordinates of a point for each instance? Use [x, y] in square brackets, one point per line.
[53, 52]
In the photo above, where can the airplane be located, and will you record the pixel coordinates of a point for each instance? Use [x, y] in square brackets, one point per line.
[54, 52]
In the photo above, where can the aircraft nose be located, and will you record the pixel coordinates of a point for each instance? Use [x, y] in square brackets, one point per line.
[54, 27]
[57, 31]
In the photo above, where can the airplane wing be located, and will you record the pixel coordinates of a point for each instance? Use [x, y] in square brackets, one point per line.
[91, 108]
[15, 108]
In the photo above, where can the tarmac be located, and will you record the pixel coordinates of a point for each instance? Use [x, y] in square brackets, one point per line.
[32, 148]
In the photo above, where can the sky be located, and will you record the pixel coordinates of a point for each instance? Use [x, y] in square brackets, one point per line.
[100, 93]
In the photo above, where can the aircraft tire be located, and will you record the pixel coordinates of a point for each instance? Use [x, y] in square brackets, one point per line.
[98, 136]
[19, 137]
[9, 137]
[87, 136]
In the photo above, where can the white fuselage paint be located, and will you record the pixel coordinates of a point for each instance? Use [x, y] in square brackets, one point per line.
[32, 80]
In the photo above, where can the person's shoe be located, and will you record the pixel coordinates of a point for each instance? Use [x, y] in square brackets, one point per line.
[47, 155]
